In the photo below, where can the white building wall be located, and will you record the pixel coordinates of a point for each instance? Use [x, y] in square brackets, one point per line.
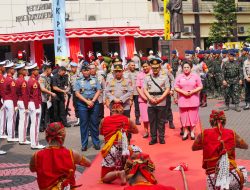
[108, 13]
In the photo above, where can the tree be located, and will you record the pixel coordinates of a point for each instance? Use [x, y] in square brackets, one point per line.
[223, 28]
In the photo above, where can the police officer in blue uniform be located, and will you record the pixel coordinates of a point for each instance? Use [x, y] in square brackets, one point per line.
[87, 90]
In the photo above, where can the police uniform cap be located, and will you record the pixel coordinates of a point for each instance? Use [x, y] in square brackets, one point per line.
[217, 51]
[73, 64]
[19, 66]
[92, 66]
[118, 67]
[201, 52]
[155, 61]
[117, 60]
[174, 52]
[187, 52]
[236, 50]
[2, 63]
[9, 64]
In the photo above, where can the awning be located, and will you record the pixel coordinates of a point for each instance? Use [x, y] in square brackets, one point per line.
[81, 33]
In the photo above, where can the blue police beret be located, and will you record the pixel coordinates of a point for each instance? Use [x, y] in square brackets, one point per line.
[217, 51]
[232, 53]
[236, 50]
[201, 52]
[187, 52]
[207, 51]
[174, 52]
[191, 52]
[224, 51]
[245, 49]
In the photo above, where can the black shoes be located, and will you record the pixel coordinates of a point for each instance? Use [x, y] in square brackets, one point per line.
[171, 125]
[227, 108]
[97, 147]
[137, 121]
[84, 148]
[145, 136]
[247, 107]
[152, 142]
[182, 132]
[185, 138]
[162, 141]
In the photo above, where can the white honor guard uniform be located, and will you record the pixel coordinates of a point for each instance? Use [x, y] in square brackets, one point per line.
[22, 104]
[34, 106]
[2, 126]
[9, 102]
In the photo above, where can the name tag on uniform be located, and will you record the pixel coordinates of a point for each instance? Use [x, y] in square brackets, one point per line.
[35, 85]
[92, 82]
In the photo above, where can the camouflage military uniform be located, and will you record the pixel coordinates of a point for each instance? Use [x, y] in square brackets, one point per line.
[217, 72]
[175, 64]
[210, 76]
[232, 74]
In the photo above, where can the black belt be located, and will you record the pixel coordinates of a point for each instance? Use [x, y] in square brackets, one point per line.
[155, 93]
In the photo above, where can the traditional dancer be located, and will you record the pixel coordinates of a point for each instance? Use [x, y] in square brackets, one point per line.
[115, 129]
[218, 145]
[55, 165]
[139, 169]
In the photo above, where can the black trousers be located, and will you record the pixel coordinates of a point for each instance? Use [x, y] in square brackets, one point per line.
[169, 113]
[247, 91]
[101, 111]
[137, 109]
[59, 110]
[45, 120]
[75, 99]
[156, 115]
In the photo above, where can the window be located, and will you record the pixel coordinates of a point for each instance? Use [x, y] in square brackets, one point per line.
[3, 51]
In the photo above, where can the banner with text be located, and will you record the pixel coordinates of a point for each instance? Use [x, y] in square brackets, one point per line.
[59, 30]
[166, 21]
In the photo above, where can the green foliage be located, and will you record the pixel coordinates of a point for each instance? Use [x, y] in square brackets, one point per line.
[225, 15]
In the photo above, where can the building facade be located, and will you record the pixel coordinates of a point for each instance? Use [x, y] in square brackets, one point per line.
[101, 25]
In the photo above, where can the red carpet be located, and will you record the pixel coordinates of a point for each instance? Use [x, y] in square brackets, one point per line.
[171, 154]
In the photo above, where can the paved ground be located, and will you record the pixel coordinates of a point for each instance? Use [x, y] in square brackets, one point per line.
[14, 172]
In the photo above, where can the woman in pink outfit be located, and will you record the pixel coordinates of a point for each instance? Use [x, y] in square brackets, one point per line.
[142, 98]
[188, 85]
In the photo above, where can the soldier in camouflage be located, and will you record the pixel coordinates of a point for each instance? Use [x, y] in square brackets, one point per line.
[217, 73]
[232, 79]
[175, 62]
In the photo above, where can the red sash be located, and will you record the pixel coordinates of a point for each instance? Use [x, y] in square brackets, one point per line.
[111, 124]
[213, 148]
[54, 164]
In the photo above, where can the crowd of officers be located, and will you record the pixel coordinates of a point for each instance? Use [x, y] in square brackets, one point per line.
[34, 98]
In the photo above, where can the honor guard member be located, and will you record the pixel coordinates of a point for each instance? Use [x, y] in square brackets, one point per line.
[131, 74]
[119, 90]
[59, 85]
[87, 90]
[136, 59]
[232, 79]
[73, 76]
[174, 62]
[2, 70]
[2, 78]
[9, 102]
[22, 103]
[217, 72]
[156, 88]
[47, 94]
[34, 106]
[101, 80]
